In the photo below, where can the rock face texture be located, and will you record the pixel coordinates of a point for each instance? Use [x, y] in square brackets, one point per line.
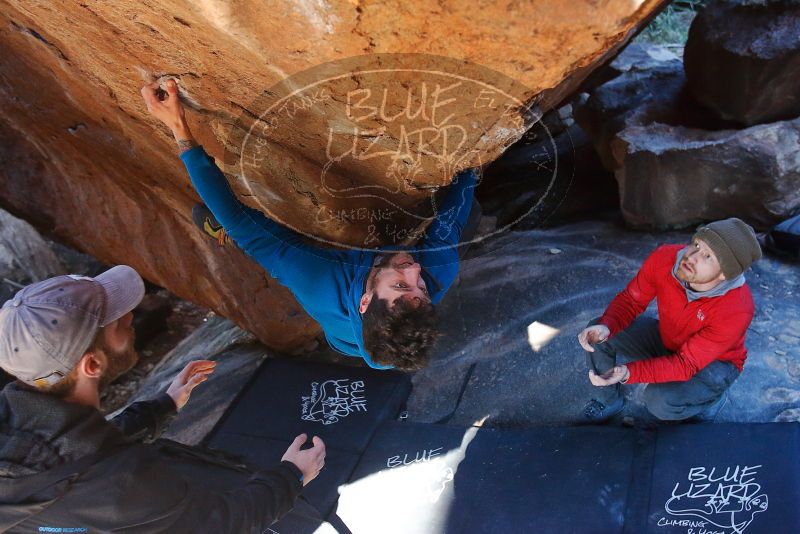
[309, 134]
[237, 354]
[645, 74]
[673, 176]
[24, 256]
[743, 60]
[677, 163]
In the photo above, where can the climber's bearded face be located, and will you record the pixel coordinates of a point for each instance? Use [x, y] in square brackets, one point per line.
[699, 264]
[399, 276]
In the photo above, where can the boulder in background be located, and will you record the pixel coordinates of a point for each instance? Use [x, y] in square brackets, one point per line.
[676, 162]
[673, 176]
[743, 60]
[25, 257]
[645, 74]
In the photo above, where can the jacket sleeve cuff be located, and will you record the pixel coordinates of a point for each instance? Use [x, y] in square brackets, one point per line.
[294, 474]
[194, 155]
[612, 326]
[294, 469]
[164, 405]
[633, 369]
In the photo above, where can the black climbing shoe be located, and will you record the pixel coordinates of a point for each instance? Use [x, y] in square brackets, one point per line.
[597, 412]
[205, 221]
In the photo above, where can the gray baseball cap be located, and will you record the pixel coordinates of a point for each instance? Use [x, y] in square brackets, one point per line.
[47, 327]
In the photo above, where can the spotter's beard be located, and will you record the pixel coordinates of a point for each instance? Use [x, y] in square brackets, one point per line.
[118, 363]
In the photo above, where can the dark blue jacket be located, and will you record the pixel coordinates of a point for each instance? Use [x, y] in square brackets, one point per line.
[329, 283]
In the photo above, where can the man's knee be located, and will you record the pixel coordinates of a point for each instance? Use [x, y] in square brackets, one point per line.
[664, 403]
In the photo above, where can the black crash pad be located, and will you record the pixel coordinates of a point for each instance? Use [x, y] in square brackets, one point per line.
[303, 519]
[731, 478]
[404, 481]
[389, 476]
[433, 478]
[342, 405]
[417, 478]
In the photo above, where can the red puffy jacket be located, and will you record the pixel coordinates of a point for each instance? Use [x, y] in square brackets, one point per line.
[697, 332]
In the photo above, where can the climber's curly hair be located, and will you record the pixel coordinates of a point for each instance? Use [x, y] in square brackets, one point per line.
[400, 336]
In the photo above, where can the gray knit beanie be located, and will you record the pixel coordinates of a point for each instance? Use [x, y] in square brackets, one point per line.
[734, 244]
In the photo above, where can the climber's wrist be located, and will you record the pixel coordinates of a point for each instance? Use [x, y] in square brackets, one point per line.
[183, 136]
[181, 131]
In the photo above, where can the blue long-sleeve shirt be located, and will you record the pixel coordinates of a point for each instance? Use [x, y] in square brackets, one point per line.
[329, 283]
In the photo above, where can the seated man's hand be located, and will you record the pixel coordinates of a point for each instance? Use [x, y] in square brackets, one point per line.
[620, 373]
[193, 374]
[310, 461]
[593, 335]
[169, 110]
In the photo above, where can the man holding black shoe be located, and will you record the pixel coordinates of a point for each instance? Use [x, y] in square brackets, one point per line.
[695, 350]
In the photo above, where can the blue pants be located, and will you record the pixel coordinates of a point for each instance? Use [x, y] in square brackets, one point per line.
[669, 400]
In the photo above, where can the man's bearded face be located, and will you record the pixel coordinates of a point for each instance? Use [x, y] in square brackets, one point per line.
[118, 348]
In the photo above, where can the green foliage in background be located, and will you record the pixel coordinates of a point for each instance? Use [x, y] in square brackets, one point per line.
[671, 26]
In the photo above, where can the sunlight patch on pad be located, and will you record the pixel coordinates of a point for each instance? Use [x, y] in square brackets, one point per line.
[540, 334]
[420, 479]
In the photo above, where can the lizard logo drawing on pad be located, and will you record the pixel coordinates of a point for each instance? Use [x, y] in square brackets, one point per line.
[332, 400]
[728, 499]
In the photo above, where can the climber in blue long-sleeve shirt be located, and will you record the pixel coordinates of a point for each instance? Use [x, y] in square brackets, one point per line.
[379, 304]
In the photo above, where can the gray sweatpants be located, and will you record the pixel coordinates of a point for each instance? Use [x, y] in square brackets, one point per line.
[668, 400]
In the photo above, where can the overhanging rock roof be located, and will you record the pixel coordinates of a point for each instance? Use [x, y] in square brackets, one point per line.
[85, 163]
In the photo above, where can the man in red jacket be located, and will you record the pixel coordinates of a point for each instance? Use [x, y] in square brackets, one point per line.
[695, 350]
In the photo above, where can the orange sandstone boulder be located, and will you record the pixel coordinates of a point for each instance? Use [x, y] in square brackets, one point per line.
[341, 120]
